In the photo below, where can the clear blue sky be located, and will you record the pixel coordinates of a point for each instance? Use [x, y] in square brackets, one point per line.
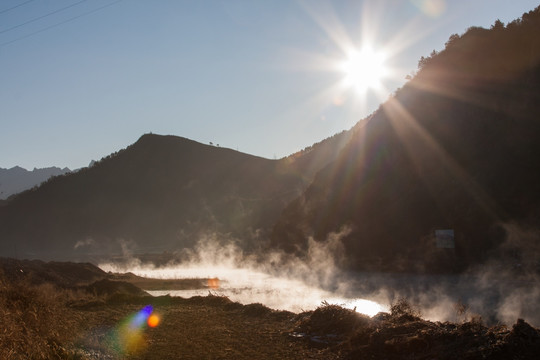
[82, 79]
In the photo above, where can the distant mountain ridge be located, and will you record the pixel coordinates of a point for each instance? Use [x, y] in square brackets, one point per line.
[17, 179]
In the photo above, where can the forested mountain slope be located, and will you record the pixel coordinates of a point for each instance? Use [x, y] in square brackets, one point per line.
[160, 193]
[458, 147]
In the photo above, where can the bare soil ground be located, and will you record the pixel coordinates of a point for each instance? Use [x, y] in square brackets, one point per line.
[198, 328]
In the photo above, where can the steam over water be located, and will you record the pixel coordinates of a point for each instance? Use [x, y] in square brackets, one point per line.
[248, 286]
[496, 298]
[283, 283]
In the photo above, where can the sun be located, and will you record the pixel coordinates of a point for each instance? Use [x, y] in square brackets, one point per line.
[364, 69]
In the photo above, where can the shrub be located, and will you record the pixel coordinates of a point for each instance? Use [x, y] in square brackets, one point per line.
[331, 319]
[402, 310]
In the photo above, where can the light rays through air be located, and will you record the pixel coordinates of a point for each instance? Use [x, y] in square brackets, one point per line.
[359, 63]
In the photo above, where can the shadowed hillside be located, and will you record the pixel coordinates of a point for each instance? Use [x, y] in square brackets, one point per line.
[313, 158]
[160, 194]
[456, 148]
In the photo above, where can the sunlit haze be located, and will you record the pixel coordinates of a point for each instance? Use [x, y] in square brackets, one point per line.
[83, 79]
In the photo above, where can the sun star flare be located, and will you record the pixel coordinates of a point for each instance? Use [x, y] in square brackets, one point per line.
[364, 69]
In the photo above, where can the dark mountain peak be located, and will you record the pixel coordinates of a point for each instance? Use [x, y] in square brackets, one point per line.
[169, 150]
[18, 169]
[157, 140]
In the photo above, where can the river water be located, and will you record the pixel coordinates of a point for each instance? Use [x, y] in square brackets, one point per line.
[248, 286]
[497, 298]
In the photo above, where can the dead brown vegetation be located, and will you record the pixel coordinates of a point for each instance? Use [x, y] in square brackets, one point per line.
[45, 321]
[34, 320]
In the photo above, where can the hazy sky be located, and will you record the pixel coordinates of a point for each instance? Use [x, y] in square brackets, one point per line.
[82, 79]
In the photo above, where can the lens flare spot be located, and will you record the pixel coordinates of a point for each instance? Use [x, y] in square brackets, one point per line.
[140, 317]
[153, 320]
[432, 8]
[128, 336]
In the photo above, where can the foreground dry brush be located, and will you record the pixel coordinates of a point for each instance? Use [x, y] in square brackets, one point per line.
[403, 334]
[58, 320]
[34, 321]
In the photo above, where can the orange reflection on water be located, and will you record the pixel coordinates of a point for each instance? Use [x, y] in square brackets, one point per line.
[213, 283]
